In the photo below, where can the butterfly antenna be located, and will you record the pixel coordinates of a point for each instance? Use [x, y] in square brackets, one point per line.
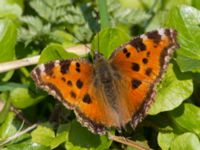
[86, 45]
[96, 51]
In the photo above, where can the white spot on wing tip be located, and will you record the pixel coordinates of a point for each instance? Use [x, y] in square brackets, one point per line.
[33, 72]
[42, 68]
[143, 36]
[162, 32]
[171, 31]
[57, 62]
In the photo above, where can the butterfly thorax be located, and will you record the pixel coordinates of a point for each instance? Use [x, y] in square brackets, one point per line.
[105, 78]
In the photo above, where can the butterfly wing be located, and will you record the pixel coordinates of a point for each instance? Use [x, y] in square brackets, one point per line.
[71, 82]
[141, 62]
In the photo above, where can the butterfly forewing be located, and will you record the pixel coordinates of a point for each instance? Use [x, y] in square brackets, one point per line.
[142, 62]
[71, 82]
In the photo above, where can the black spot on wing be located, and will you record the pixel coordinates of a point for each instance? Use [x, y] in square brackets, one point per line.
[148, 71]
[126, 52]
[135, 83]
[69, 83]
[145, 60]
[64, 66]
[135, 67]
[128, 55]
[87, 99]
[73, 94]
[78, 67]
[63, 79]
[79, 84]
[148, 54]
[155, 36]
[138, 44]
[49, 68]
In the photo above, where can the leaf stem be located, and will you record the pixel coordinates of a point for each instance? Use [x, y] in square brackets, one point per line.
[104, 19]
[128, 142]
[18, 134]
[7, 66]
[11, 65]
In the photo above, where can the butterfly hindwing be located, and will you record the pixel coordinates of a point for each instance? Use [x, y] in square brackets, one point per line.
[142, 62]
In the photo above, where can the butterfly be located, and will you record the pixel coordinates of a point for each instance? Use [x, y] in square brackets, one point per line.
[114, 92]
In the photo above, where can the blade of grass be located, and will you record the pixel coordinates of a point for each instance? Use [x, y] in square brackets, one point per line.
[18, 134]
[6, 107]
[128, 142]
[104, 19]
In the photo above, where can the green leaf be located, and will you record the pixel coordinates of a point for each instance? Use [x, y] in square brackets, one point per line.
[43, 135]
[196, 3]
[157, 21]
[46, 136]
[11, 10]
[27, 145]
[6, 76]
[7, 129]
[168, 4]
[127, 16]
[159, 16]
[33, 29]
[186, 20]
[6, 108]
[186, 141]
[62, 37]
[55, 52]
[77, 19]
[108, 40]
[8, 36]
[9, 86]
[134, 3]
[186, 117]
[24, 97]
[18, 2]
[61, 136]
[50, 10]
[80, 138]
[172, 91]
[165, 139]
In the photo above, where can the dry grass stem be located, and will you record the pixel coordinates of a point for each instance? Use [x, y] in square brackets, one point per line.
[12, 65]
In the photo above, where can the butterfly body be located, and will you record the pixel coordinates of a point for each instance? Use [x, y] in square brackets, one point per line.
[105, 78]
[113, 92]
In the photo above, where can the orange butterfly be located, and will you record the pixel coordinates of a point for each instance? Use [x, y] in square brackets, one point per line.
[113, 92]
